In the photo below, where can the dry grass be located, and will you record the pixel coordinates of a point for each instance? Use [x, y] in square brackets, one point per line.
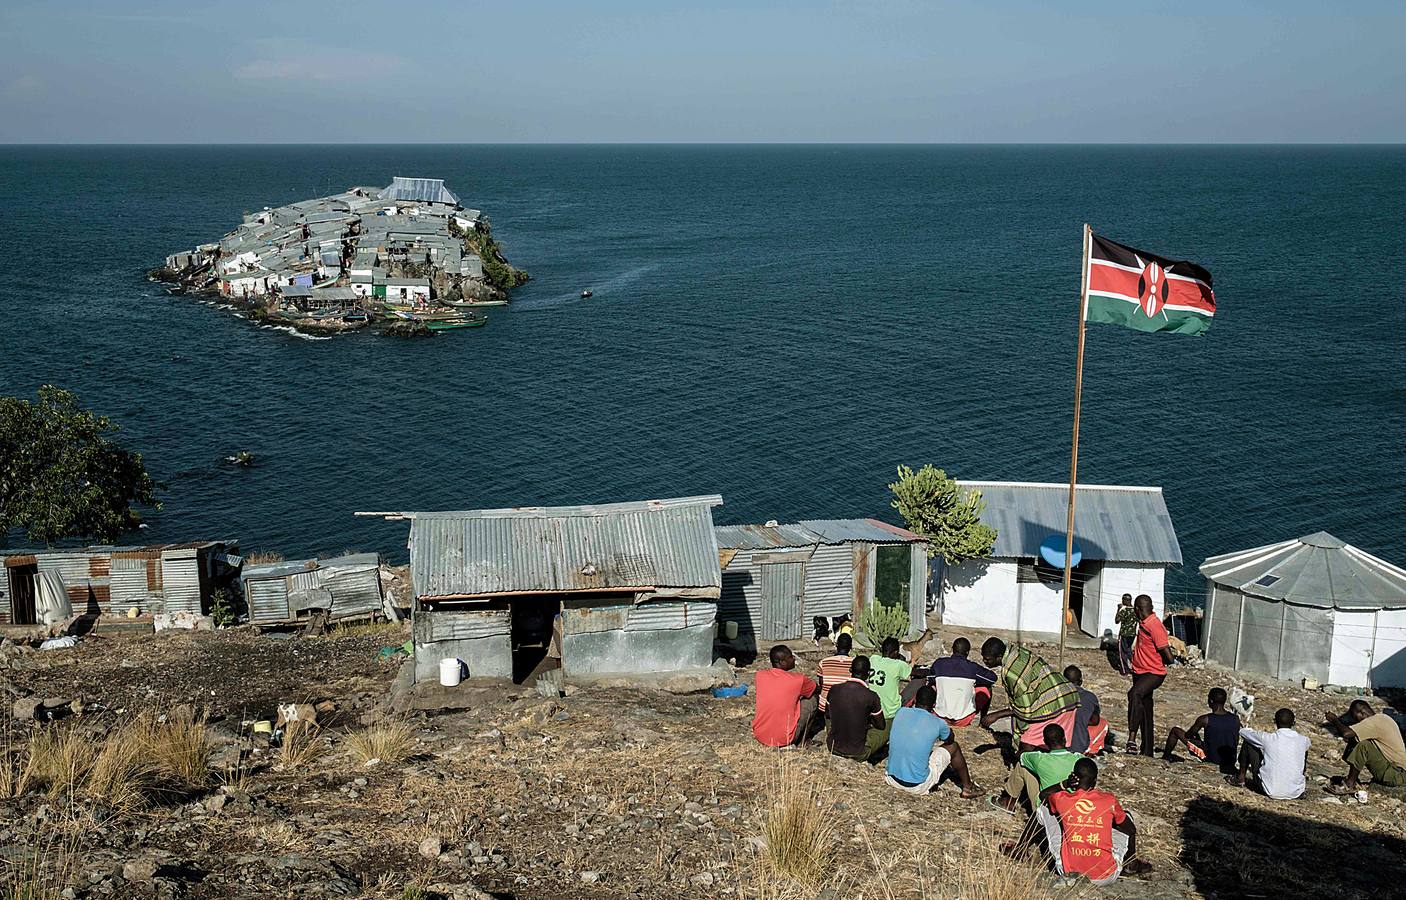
[263, 557]
[136, 762]
[978, 870]
[58, 760]
[799, 835]
[382, 629]
[389, 742]
[302, 745]
[179, 748]
[122, 775]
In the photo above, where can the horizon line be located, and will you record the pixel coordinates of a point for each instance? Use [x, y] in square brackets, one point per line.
[653, 143]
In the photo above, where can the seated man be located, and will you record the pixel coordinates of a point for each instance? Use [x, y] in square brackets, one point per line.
[857, 727]
[1214, 737]
[1087, 831]
[834, 669]
[963, 687]
[1373, 743]
[1038, 772]
[786, 701]
[1090, 727]
[888, 674]
[1274, 760]
[921, 748]
[1038, 695]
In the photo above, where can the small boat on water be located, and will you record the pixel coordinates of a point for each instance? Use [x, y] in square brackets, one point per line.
[455, 324]
[473, 304]
[587, 294]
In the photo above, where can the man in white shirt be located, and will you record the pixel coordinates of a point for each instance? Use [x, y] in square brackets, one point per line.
[1274, 760]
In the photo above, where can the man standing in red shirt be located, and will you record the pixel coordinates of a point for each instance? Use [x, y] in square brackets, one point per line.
[786, 701]
[1151, 653]
[1087, 831]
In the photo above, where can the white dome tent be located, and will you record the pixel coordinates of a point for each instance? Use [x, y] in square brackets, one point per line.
[1312, 607]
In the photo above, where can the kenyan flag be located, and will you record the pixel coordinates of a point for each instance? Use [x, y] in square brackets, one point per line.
[1145, 291]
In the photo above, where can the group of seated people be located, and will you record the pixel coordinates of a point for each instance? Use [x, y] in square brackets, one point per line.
[883, 708]
[1274, 763]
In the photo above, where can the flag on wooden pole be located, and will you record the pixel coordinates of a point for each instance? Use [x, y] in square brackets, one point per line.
[1145, 291]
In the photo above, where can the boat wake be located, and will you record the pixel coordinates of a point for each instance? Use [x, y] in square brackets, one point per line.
[296, 333]
[601, 290]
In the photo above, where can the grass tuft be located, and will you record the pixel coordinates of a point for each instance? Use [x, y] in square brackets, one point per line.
[179, 748]
[302, 745]
[799, 835]
[390, 742]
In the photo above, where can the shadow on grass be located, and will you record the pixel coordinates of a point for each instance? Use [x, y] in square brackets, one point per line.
[1235, 851]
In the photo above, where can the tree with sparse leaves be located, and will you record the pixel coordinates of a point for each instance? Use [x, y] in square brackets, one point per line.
[61, 473]
[935, 507]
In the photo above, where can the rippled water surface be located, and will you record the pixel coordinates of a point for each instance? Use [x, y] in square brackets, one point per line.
[781, 325]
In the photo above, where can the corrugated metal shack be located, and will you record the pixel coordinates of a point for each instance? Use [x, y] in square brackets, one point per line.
[614, 588]
[167, 578]
[1312, 607]
[1123, 534]
[284, 592]
[777, 578]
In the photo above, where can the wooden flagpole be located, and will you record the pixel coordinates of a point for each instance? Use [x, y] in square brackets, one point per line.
[1074, 454]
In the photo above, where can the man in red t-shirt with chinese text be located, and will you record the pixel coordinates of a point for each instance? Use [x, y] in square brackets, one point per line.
[1151, 653]
[1087, 831]
[786, 701]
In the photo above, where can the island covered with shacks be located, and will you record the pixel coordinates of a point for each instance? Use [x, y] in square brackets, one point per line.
[409, 257]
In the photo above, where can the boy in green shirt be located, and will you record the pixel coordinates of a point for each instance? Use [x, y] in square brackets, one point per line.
[888, 676]
[1038, 772]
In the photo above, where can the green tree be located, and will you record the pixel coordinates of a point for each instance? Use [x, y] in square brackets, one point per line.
[935, 507]
[61, 473]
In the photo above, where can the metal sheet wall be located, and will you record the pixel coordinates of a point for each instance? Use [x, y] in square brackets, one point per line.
[268, 599]
[1261, 623]
[180, 581]
[741, 600]
[918, 591]
[129, 585]
[1223, 630]
[830, 581]
[478, 637]
[1306, 643]
[782, 587]
[4, 595]
[354, 592]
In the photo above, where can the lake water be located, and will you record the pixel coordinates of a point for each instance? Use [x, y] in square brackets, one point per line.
[781, 325]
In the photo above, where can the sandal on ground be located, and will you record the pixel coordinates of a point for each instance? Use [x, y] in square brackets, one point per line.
[1130, 748]
[1340, 790]
[972, 795]
[991, 801]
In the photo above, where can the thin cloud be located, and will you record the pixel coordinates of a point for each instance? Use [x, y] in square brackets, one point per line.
[319, 65]
[24, 86]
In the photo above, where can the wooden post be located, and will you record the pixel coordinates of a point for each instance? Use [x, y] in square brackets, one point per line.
[1074, 453]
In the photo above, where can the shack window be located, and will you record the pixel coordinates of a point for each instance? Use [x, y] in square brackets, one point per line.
[893, 573]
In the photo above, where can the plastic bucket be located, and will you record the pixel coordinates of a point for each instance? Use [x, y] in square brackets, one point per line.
[449, 670]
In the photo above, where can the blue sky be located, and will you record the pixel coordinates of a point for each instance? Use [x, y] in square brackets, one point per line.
[854, 71]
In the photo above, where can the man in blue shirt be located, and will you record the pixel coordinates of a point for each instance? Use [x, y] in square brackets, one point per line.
[921, 748]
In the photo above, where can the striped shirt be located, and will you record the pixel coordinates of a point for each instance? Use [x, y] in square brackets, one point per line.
[833, 670]
[1037, 692]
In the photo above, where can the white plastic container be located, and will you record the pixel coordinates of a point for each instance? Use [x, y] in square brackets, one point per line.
[449, 670]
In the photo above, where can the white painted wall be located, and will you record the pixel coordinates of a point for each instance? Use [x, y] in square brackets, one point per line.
[985, 594]
[1118, 579]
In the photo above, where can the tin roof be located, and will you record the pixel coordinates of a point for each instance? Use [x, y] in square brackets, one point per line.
[1314, 570]
[1111, 522]
[292, 567]
[428, 189]
[810, 532]
[619, 546]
